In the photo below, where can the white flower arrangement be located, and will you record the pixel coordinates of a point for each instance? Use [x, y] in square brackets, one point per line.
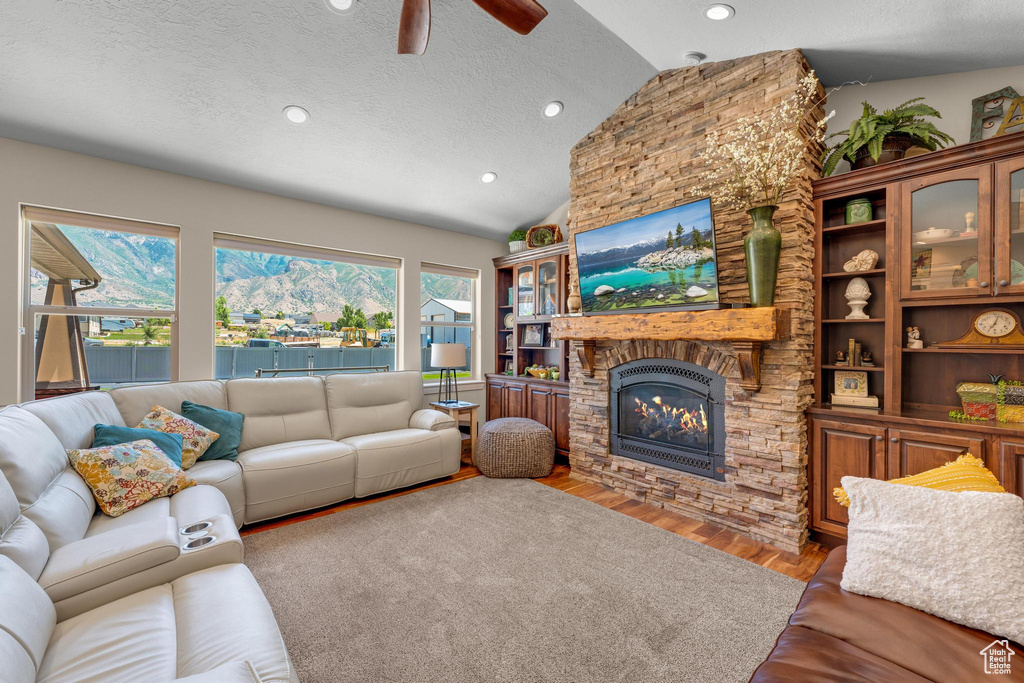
[754, 162]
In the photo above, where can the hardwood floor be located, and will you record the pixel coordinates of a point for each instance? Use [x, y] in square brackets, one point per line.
[800, 567]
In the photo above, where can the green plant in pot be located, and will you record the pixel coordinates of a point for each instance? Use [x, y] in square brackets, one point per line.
[517, 241]
[751, 164]
[879, 138]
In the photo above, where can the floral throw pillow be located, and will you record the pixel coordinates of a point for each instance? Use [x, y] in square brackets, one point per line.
[127, 475]
[195, 437]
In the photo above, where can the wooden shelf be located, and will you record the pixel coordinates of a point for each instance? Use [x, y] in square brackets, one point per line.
[867, 226]
[856, 273]
[996, 351]
[866, 368]
[834, 321]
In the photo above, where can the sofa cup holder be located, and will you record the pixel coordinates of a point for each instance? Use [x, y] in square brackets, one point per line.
[195, 528]
[196, 543]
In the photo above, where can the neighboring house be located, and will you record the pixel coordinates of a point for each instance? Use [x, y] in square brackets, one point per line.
[449, 311]
[319, 318]
[302, 319]
[242, 319]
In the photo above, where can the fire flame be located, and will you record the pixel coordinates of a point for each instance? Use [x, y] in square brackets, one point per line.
[689, 420]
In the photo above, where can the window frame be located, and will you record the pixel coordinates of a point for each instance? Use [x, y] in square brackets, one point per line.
[473, 275]
[30, 214]
[223, 240]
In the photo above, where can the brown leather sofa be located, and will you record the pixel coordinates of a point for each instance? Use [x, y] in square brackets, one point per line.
[839, 636]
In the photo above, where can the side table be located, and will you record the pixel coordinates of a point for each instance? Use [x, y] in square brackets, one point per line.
[456, 409]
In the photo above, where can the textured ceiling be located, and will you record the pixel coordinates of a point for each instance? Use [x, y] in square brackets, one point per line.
[197, 87]
[844, 40]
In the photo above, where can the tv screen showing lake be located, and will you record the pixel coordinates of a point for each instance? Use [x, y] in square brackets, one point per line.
[663, 259]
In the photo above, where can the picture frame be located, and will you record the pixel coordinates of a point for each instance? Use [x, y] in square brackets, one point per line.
[533, 334]
[508, 367]
[509, 343]
[851, 383]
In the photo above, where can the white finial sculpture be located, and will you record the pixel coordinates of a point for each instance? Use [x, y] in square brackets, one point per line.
[857, 295]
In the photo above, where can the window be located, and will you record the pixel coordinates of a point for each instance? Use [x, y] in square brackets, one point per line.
[101, 302]
[447, 314]
[289, 307]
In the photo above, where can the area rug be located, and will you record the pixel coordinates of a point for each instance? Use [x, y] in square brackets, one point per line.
[511, 580]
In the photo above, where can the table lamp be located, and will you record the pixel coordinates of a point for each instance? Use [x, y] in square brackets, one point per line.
[448, 357]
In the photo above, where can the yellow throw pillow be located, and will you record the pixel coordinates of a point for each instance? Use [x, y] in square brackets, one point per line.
[966, 473]
[127, 475]
[195, 438]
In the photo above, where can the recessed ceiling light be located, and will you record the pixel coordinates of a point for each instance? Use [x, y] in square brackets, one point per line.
[693, 58]
[296, 114]
[553, 109]
[719, 12]
[342, 6]
[489, 177]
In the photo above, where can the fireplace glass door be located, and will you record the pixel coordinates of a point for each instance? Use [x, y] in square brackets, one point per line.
[665, 414]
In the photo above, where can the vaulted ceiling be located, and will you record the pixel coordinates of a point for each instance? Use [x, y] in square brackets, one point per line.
[844, 40]
[198, 86]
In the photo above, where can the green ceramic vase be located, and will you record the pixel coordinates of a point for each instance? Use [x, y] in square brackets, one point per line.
[762, 246]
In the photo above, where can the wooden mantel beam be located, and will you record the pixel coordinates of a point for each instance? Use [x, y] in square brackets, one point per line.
[727, 324]
[747, 329]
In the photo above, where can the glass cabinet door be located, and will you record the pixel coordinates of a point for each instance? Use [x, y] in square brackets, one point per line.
[1009, 244]
[547, 287]
[945, 225]
[525, 291]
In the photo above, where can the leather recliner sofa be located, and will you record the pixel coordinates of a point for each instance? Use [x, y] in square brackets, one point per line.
[835, 635]
[306, 442]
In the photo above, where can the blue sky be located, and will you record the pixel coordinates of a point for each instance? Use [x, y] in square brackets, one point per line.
[644, 228]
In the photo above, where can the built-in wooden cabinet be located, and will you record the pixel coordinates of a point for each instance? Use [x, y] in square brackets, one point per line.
[890, 447]
[912, 451]
[546, 402]
[842, 449]
[1009, 226]
[1011, 462]
[532, 287]
[948, 228]
[937, 265]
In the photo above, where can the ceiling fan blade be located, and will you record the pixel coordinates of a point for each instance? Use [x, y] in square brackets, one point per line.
[522, 16]
[414, 28]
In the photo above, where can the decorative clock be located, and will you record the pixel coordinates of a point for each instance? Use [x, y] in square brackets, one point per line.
[994, 327]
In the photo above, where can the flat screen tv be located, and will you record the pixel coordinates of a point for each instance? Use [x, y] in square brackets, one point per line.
[665, 260]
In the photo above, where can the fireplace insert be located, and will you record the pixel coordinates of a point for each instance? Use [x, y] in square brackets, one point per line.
[670, 413]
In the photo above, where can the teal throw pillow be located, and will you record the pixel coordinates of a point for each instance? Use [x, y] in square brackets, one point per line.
[112, 435]
[224, 422]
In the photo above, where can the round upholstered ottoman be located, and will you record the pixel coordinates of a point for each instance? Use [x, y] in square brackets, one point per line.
[515, 447]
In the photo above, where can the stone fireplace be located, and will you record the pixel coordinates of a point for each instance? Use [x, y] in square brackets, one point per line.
[670, 413]
[750, 474]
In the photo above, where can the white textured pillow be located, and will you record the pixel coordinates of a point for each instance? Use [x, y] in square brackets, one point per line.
[956, 554]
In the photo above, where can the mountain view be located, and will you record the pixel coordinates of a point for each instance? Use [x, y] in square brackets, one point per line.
[138, 270]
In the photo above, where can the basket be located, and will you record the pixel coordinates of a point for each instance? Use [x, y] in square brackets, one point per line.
[978, 399]
[543, 235]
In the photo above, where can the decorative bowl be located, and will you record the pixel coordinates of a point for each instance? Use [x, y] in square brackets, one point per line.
[933, 234]
[539, 373]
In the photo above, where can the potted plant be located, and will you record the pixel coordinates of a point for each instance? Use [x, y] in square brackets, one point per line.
[517, 241]
[879, 138]
[752, 164]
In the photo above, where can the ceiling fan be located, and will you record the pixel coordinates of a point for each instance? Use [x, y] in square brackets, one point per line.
[522, 16]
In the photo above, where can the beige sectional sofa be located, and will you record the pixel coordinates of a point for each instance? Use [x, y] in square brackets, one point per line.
[174, 563]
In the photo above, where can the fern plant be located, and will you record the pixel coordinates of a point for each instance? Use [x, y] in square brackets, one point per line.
[905, 124]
